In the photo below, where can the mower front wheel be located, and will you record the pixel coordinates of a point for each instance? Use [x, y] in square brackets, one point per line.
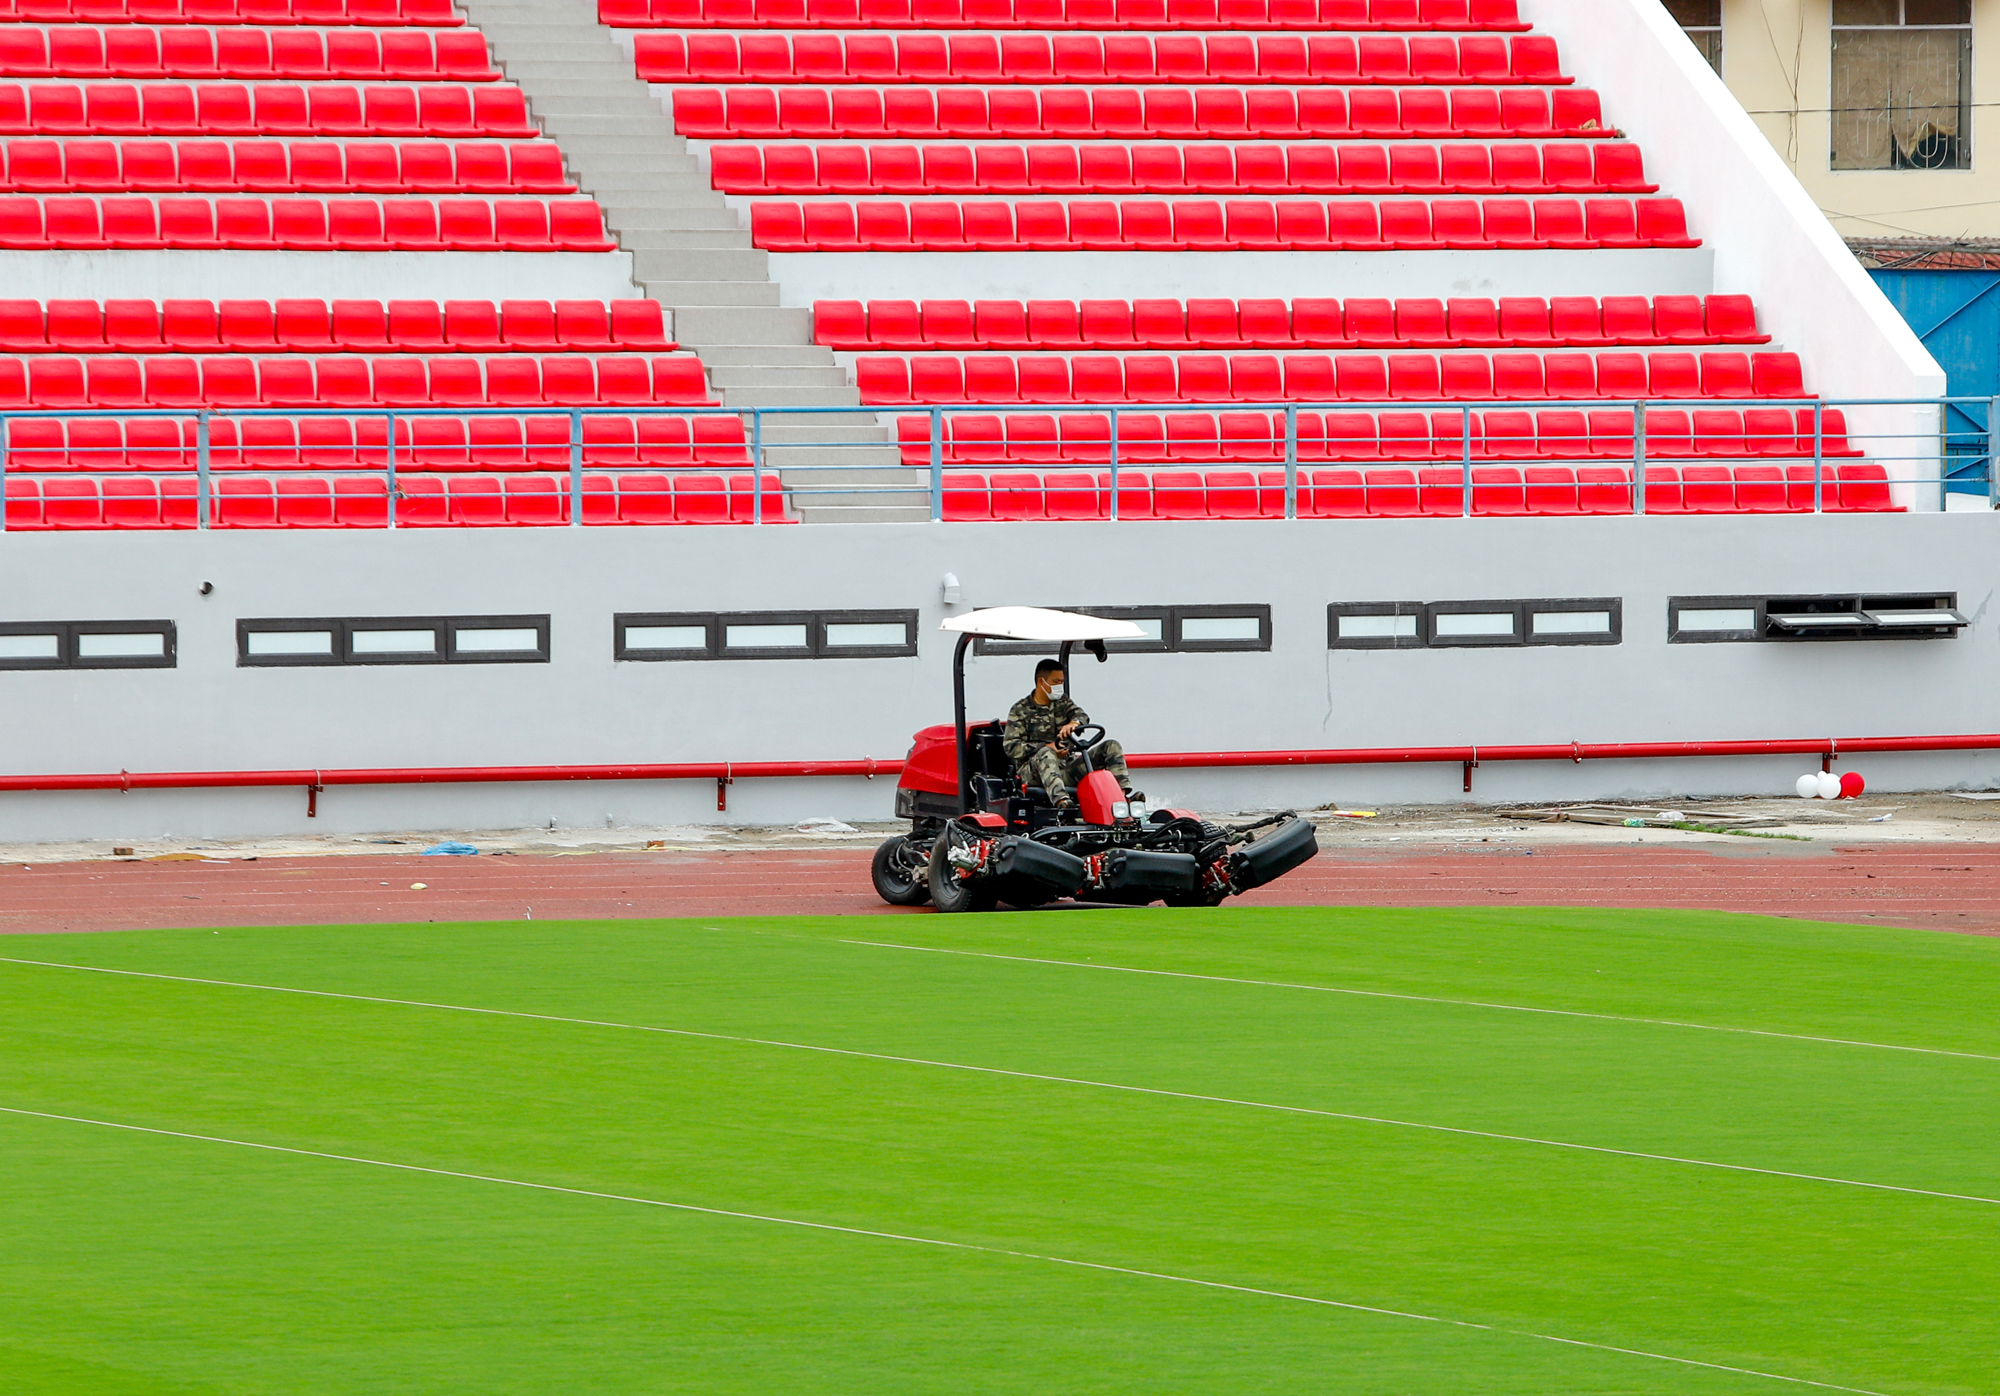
[901, 874]
[949, 892]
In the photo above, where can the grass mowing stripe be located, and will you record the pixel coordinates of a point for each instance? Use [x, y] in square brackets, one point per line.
[1417, 998]
[934, 1241]
[1306, 1110]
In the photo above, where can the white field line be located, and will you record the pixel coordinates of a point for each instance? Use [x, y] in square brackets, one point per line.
[1008, 1073]
[1426, 998]
[926, 1241]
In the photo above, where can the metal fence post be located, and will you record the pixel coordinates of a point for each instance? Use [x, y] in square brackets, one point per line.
[1112, 511]
[389, 467]
[1291, 462]
[756, 466]
[6, 454]
[1638, 457]
[576, 468]
[1992, 475]
[1819, 459]
[937, 464]
[1464, 465]
[201, 470]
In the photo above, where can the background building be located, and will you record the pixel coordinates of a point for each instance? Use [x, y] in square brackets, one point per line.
[1879, 106]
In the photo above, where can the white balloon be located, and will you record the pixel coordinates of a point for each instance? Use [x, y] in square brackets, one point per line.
[1829, 785]
[1808, 786]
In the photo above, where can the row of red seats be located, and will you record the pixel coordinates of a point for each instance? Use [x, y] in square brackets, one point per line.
[1048, 225]
[1071, 113]
[940, 379]
[433, 13]
[185, 51]
[1211, 167]
[304, 224]
[1528, 322]
[1143, 438]
[330, 166]
[1089, 59]
[1348, 494]
[264, 108]
[306, 326]
[163, 444]
[1503, 15]
[54, 381]
[421, 502]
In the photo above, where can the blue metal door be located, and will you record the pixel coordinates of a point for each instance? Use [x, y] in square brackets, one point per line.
[1957, 316]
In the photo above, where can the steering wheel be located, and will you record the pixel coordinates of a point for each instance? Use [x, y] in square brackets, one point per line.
[1082, 742]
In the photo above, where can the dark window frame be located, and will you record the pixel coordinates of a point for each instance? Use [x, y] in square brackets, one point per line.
[1336, 641]
[1180, 644]
[1426, 613]
[1171, 619]
[1569, 605]
[345, 628]
[1434, 609]
[714, 625]
[1768, 631]
[67, 656]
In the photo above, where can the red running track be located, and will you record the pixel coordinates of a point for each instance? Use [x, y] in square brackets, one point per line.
[1925, 886]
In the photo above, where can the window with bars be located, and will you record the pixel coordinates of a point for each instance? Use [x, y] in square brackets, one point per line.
[1902, 84]
[1701, 20]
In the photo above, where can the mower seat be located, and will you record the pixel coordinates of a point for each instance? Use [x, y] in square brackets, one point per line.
[1037, 794]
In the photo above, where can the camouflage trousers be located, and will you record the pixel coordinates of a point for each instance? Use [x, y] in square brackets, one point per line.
[1057, 772]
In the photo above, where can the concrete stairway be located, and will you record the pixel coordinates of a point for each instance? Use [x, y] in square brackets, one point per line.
[691, 252]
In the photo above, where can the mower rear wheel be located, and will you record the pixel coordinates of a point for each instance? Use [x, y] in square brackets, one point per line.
[901, 876]
[950, 893]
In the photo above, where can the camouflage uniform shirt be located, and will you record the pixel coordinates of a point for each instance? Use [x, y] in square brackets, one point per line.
[1031, 725]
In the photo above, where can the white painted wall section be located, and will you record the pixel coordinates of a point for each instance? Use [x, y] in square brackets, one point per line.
[202, 275]
[804, 277]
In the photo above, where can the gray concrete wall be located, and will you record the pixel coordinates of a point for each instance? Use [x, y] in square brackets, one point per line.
[583, 707]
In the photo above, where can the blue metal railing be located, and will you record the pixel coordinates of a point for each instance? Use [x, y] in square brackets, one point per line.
[1934, 448]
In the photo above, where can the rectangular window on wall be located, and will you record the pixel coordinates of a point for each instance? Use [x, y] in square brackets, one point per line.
[1902, 85]
[290, 642]
[1415, 625]
[1168, 630]
[1702, 22]
[87, 644]
[1700, 620]
[666, 635]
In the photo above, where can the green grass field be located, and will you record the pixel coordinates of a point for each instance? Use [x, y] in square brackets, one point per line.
[778, 1158]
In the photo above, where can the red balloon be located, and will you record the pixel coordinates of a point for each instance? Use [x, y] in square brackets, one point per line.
[1851, 784]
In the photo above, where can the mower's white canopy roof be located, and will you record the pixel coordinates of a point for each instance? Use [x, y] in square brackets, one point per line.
[1034, 623]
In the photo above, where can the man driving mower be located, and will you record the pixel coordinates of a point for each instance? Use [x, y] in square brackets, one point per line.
[1037, 740]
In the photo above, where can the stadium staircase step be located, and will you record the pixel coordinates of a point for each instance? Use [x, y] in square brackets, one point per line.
[690, 251]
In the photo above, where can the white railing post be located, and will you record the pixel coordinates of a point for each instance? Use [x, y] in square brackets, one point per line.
[1638, 457]
[1992, 434]
[937, 464]
[576, 468]
[201, 470]
[1112, 503]
[389, 466]
[1819, 459]
[1464, 463]
[1292, 462]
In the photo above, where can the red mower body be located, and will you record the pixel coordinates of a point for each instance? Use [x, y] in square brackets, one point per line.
[932, 765]
[1095, 794]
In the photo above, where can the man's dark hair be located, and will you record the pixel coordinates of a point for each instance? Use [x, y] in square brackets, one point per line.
[1047, 666]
